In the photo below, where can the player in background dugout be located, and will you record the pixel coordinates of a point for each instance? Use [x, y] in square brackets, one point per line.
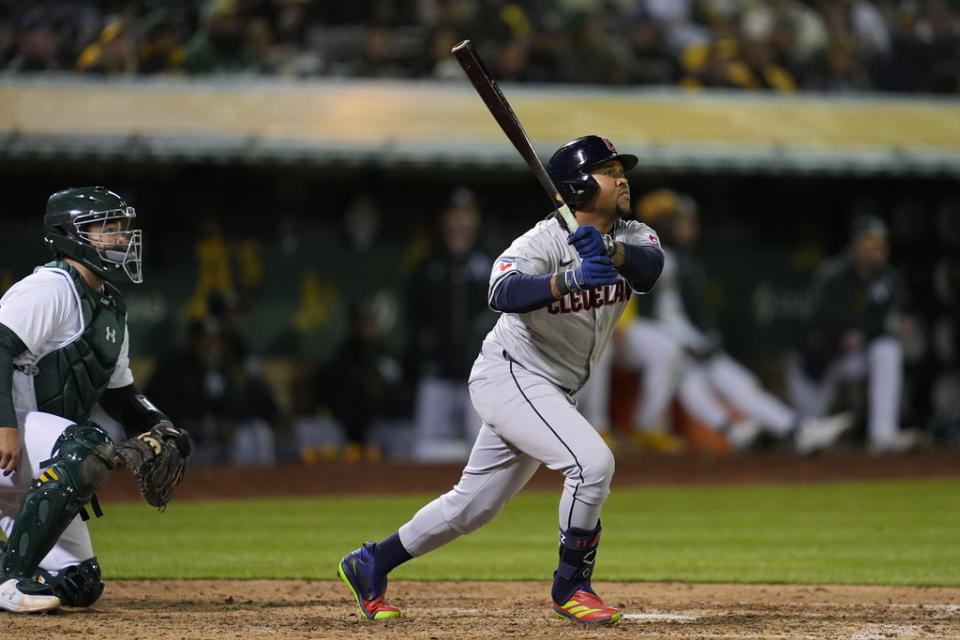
[706, 379]
[853, 334]
[447, 318]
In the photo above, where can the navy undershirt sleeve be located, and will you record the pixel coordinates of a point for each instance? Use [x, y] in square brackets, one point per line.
[641, 266]
[10, 347]
[521, 292]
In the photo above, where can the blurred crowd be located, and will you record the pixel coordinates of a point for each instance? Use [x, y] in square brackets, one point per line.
[781, 45]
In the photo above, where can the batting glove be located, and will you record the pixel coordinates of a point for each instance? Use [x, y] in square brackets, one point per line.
[588, 241]
[595, 271]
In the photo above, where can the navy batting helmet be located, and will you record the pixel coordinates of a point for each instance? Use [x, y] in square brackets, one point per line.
[67, 224]
[570, 165]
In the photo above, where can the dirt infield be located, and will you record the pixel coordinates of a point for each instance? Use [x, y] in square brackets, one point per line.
[291, 610]
[175, 610]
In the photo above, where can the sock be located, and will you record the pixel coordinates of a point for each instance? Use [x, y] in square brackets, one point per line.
[578, 551]
[389, 553]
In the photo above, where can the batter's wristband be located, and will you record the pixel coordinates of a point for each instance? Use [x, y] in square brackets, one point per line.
[609, 244]
[568, 281]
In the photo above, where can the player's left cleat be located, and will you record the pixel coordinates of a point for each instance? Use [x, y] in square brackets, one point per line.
[586, 607]
[27, 596]
[367, 584]
[658, 441]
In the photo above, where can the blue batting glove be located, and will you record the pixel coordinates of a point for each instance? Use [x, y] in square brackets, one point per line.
[587, 241]
[594, 271]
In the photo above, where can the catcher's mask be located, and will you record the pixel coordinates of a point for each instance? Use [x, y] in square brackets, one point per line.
[74, 227]
[569, 168]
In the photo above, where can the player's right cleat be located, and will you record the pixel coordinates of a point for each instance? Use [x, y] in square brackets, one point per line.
[817, 434]
[367, 584]
[743, 434]
[27, 596]
[586, 607]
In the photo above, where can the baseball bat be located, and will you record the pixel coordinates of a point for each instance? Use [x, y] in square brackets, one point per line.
[501, 111]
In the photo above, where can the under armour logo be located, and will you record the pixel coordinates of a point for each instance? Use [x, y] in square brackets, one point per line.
[112, 334]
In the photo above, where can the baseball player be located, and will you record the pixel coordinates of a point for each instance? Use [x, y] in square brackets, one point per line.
[446, 316]
[559, 296]
[63, 349]
[852, 333]
[708, 375]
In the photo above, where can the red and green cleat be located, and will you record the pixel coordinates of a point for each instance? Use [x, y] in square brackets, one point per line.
[587, 608]
[367, 584]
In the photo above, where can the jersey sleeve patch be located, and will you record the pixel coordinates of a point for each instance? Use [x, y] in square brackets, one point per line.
[504, 265]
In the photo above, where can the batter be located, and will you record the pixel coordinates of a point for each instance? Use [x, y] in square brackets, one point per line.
[559, 296]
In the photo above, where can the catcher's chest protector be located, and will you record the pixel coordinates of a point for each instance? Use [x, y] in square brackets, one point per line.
[71, 379]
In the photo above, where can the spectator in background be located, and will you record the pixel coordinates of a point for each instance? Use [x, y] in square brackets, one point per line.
[600, 56]
[839, 69]
[111, 54]
[363, 386]
[233, 412]
[549, 53]
[436, 60]
[160, 50]
[196, 385]
[37, 43]
[220, 44]
[512, 63]
[378, 58]
[796, 30]
[652, 62]
[758, 55]
[853, 333]
[260, 418]
[941, 74]
[447, 317]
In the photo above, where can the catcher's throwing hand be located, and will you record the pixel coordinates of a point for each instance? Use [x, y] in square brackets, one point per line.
[9, 449]
[157, 459]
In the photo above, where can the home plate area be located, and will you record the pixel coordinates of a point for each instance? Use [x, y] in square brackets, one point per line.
[240, 609]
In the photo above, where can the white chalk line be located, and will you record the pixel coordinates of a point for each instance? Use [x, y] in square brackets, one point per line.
[658, 616]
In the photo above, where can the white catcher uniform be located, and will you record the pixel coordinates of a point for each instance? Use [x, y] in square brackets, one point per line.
[43, 309]
[521, 386]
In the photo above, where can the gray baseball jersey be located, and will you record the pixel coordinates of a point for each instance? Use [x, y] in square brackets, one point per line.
[520, 385]
[563, 341]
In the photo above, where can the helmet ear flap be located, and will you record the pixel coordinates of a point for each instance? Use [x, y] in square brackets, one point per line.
[579, 190]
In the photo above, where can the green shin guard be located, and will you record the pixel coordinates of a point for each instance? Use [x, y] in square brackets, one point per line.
[84, 459]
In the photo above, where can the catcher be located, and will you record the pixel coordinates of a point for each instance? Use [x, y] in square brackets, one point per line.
[63, 349]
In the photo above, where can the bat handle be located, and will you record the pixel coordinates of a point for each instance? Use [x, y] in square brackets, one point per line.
[568, 216]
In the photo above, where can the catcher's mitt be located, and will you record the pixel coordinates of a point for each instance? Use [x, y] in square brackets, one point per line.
[157, 458]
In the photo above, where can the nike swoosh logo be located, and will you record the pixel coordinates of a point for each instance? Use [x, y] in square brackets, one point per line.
[563, 264]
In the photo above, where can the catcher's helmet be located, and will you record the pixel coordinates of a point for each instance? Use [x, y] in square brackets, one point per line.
[67, 232]
[569, 166]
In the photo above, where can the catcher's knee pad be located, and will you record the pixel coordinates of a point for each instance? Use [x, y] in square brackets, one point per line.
[78, 585]
[84, 457]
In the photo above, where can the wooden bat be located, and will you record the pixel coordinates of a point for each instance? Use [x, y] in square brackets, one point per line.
[500, 109]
